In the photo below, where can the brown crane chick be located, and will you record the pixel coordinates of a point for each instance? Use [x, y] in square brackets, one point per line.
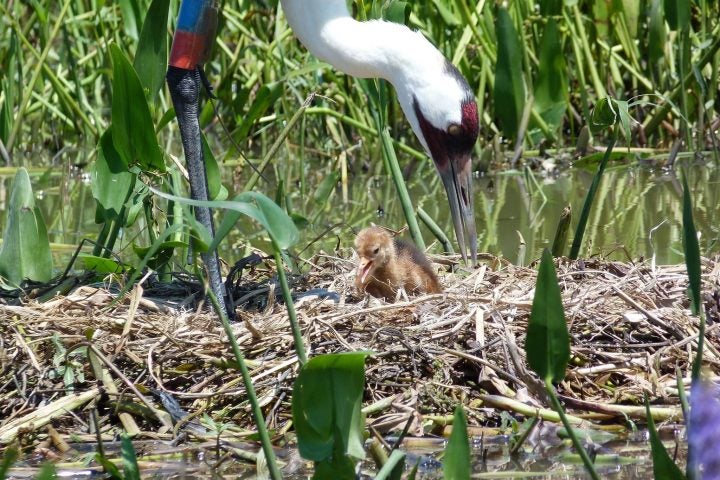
[387, 264]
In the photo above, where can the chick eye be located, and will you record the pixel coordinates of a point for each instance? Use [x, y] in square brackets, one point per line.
[376, 250]
[454, 129]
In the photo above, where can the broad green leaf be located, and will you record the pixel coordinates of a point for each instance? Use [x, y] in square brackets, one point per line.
[663, 466]
[692, 250]
[551, 85]
[151, 56]
[677, 13]
[547, 342]
[326, 402]
[101, 265]
[133, 131]
[456, 462]
[266, 96]
[112, 182]
[397, 12]
[25, 250]
[656, 32]
[253, 204]
[131, 471]
[509, 92]
[604, 115]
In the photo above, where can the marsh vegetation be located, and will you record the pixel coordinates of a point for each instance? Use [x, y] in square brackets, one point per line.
[616, 98]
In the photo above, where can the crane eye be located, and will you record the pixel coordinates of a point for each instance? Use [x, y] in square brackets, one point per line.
[454, 129]
[376, 250]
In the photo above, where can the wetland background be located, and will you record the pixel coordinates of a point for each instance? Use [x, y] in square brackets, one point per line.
[537, 68]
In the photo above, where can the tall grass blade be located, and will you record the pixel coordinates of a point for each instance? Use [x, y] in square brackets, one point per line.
[131, 470]
[663, 466]
[151, 56]
[561, 234]
[272, 465]
[547, 343]
[677, 13]
[509, 92]
[551, 85]
[691, 249]
[456, 462]
[10, 455]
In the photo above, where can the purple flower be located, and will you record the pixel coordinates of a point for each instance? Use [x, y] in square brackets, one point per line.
[704, 429]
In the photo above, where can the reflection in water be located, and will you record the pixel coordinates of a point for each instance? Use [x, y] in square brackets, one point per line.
[632, 206]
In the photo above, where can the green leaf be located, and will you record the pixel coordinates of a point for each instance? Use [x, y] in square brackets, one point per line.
[112, 182]
[663, 466]
[131, 471]
[108, 467]
[692, 250]
[397, 12]
[102, 266]
[456, 462]
[509, 92]
[47, 472]
[551, 85]
[9, 457]
[131, 17]
[656, 32]
[604, 115]
[25, 250]
[326, 188]
[326, 402]
[133, 131]
[216, 190]
[677, 13]
[266, 96]
[162, 253]
[551, 7]
[253, 204]
[152, 51]
[547, 343]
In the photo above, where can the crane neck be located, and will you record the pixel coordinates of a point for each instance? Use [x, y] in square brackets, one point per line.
[372, 49]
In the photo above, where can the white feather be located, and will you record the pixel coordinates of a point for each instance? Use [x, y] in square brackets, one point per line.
[384, 50]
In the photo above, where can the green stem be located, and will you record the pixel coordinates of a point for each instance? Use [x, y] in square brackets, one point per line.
[589, 466]
[249, 389]
[401, 188]
[585, 213]
[436, 230]
[654, 121]
[297, 334]
[396, 457]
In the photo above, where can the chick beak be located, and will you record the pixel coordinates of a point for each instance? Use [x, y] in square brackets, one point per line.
[364, 269]
[456, 175]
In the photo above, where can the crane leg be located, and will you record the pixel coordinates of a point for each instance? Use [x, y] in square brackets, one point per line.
[184, 88]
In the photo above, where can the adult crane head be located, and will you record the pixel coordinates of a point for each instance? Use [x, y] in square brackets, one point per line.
[434, 96]
[444, 116]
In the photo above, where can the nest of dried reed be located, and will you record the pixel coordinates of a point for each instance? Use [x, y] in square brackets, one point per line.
[630, 327]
